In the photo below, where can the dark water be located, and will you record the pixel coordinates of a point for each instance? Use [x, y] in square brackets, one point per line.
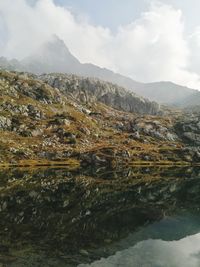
[145, 217]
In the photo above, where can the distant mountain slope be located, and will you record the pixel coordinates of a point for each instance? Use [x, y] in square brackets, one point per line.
[192, 100]
[55, 57]
[165, 92]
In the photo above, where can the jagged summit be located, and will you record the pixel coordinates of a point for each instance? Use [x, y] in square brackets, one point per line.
[53, 56]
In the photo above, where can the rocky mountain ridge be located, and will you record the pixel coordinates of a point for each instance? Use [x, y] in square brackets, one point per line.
[88, 90]
[54, 56]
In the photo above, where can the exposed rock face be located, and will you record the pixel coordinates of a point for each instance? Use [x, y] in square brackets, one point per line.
[16, 85]
[5, 123]
[189, 129]
[154, 129]
[89, 90]
[26, 110]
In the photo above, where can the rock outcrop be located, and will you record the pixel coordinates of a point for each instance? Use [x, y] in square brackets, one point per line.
[90, 90]
[189, 128]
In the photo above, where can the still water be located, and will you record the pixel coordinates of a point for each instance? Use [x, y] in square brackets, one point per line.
[141, 217]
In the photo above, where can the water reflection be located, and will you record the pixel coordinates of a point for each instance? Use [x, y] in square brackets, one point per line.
[156, 253]
[54, 217]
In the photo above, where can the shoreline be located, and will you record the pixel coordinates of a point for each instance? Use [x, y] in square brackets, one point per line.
[75, 164]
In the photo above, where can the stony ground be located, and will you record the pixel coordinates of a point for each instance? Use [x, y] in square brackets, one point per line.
[41, 124]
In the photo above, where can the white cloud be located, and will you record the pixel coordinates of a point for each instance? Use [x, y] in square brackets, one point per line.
[154, 48]
[194, 42]
[30, 26]
[151, 48]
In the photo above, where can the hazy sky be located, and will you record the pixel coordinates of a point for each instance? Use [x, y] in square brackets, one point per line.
[148, 40]
[112, 13]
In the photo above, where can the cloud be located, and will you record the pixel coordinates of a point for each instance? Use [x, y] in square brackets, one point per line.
[152, 48]
[29, 26]
[194, 43]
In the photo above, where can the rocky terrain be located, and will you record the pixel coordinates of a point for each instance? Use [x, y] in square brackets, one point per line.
[66, 119]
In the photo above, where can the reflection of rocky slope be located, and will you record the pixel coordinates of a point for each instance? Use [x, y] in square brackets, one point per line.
[63, 117]
[71, 215]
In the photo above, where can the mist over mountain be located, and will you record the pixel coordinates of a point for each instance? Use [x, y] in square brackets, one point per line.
[54, 57]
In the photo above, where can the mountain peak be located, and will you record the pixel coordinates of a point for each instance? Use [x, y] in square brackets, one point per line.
[56, 44]
[52, 56]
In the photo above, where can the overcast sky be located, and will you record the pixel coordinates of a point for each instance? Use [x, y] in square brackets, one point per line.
[147, 40]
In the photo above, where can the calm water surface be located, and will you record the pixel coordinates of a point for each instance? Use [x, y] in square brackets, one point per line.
[145, 217]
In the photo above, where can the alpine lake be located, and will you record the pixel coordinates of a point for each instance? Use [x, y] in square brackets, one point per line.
[138, 217]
